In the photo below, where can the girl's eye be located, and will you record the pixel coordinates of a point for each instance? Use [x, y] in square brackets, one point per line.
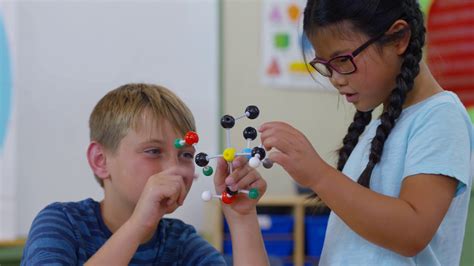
[342, 60]
[153, 151]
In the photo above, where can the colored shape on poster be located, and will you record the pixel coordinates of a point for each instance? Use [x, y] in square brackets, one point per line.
[294, 13]
[273, 69]
[299, 67]
[275, 15]
[282, 40]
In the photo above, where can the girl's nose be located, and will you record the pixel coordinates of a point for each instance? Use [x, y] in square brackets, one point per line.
[338, 80]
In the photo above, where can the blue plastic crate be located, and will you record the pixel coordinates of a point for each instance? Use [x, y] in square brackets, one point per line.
[315, 231]
[279, 245]
[270, 224]
[280, 248]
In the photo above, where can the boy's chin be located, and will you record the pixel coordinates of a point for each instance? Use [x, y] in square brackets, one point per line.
[171, 209]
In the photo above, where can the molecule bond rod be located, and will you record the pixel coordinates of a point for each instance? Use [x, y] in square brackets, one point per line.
[240, 117]
[243, 154]
[213, 157]
[227, 132]
[230, 167]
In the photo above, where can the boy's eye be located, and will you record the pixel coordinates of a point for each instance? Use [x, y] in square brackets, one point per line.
[153, 151]
[188, 155]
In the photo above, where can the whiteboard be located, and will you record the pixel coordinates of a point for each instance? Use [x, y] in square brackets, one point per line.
[70, 53]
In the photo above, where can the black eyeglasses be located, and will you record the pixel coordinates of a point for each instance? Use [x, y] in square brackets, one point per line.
[342, 64]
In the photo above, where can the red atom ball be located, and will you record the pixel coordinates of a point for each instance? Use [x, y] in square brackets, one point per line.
[191, 138]
[226, 198]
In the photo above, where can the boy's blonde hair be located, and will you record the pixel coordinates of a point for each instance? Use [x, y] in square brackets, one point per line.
[121, 109]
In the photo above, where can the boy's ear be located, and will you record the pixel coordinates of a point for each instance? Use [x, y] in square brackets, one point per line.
[401, 28]
[97, 159]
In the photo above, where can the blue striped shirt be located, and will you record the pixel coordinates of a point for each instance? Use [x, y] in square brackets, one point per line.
[70, 233]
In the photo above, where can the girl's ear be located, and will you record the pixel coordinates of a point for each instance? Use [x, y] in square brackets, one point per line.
[97, 159]
[401, 30]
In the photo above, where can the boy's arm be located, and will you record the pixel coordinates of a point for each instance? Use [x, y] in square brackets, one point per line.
[119, 248]
[163, 193]
[51, 239]
[247, 241]
[241, 215]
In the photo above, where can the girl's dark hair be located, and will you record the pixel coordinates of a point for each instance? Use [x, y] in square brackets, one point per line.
[373, 17]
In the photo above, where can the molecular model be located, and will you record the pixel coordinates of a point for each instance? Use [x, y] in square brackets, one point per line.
[256, 155]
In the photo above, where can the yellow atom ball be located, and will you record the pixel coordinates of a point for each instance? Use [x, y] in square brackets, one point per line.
[229, 154]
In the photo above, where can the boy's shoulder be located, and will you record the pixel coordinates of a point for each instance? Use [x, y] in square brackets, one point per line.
[82, 207]
[70, 214]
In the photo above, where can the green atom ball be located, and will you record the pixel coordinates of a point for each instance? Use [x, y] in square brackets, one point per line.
[207, 171]
[253, 193]
[177, 143]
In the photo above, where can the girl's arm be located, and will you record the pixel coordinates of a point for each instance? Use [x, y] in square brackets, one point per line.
[404, 225]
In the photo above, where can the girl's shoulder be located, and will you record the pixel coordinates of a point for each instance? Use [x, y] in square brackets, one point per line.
[441, 114]
[439, 106]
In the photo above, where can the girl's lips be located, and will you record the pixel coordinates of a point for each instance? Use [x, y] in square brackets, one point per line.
[352, 97]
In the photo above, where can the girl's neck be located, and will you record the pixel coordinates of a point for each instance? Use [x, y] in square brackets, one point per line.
[425, 86]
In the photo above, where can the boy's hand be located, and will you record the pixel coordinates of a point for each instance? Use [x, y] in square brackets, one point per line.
[162, 194]
[242, 177]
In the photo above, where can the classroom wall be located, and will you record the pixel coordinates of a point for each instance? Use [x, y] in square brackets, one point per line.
[70, 53]
[322, 116]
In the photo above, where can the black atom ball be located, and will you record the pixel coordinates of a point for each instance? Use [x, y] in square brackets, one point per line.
[227, 121]
[260, 151]
[250, 133]
[230, 192]
[252, 111]
[201, 159]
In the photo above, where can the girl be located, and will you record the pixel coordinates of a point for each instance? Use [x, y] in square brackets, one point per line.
[398, 195]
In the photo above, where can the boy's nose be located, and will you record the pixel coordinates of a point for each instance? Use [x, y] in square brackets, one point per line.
[171, 161]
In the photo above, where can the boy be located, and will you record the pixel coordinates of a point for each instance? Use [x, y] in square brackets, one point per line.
[132, 155]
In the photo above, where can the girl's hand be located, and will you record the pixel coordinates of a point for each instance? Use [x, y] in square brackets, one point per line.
[292, 150]
[242, 177]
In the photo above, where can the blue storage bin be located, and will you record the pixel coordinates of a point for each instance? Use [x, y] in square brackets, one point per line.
[279, 248]
[277, 232]
[227, 247]
[315, 231]
[272, 224]
[279, 245]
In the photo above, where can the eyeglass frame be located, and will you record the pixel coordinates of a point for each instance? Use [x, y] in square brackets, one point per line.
[350, 56]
